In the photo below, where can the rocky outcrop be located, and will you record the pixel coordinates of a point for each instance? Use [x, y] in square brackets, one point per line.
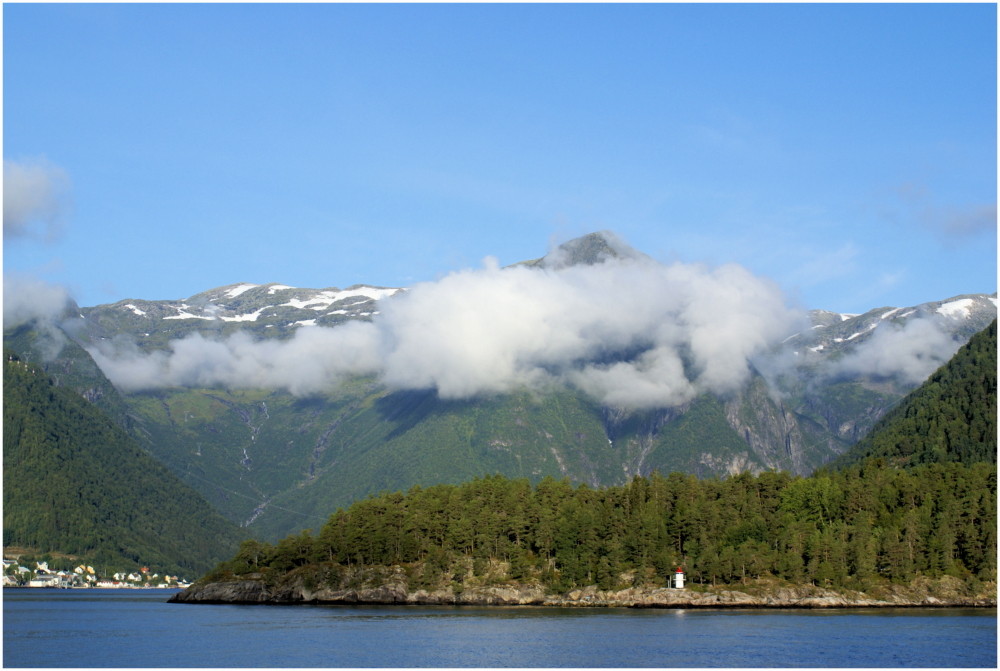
[234, 591]
[257, 591]
[923, 592]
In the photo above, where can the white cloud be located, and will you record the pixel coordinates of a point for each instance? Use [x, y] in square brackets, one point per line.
[35, 199]
[655, 379]
[631, 333]
[313, 361]
[911, 352]
[27, 298]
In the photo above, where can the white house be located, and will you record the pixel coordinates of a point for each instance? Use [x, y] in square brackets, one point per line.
[44, 580]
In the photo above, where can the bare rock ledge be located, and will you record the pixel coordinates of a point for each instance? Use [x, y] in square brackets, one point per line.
[925, 593]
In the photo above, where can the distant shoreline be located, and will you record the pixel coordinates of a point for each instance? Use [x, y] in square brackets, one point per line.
[922, 593]
[157, 588]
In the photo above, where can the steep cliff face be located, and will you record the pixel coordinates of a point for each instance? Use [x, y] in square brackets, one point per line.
[846, 411]
[634, 435]
[770, 430]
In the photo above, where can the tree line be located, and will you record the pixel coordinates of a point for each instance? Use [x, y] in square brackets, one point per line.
[866, 524]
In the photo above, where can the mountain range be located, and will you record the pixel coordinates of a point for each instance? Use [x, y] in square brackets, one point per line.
[194, 380]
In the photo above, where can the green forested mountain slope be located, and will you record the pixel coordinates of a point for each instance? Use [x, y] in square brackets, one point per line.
[278, 464]
[72, 368]
[951, 417]
[75, 483]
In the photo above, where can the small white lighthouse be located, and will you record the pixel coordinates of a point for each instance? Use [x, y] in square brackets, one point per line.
[679, 578]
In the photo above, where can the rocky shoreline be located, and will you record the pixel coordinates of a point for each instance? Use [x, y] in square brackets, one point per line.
[923, 592]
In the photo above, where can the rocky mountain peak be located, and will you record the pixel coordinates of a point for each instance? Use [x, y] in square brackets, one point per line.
[586, 250]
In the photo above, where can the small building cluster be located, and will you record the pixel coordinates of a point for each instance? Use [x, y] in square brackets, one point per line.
[83, 576]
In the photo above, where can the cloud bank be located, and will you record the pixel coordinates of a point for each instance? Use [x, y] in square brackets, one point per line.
[35, 199]
[911, 352]
[315, 360]
[28, 299]
[629, 332]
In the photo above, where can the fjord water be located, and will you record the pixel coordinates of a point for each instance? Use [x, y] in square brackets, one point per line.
[137, 628]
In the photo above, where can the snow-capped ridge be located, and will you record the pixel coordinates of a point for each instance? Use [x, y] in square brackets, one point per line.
[832, 331]
[271, 304]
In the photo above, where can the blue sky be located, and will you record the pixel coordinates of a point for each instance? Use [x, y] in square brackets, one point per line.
[846, 152]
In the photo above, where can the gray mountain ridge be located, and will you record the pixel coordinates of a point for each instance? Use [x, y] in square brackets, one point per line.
[278, 310]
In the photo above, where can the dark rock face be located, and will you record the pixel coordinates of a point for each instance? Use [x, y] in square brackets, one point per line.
[238, 591]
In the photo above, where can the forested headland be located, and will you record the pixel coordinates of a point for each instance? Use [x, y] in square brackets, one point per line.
[853, 529]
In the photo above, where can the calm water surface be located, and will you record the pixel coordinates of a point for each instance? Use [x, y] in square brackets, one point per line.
[137, 628]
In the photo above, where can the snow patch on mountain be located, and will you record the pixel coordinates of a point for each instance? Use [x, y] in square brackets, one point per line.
[958, 309]
[871, 327]
[324, 299]
[184, 314]
[251, 317]
[240, 289]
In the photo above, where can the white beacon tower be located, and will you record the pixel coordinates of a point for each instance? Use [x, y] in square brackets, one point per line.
[679, 578]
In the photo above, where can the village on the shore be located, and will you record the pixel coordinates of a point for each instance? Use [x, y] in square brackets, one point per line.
[83, 577]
